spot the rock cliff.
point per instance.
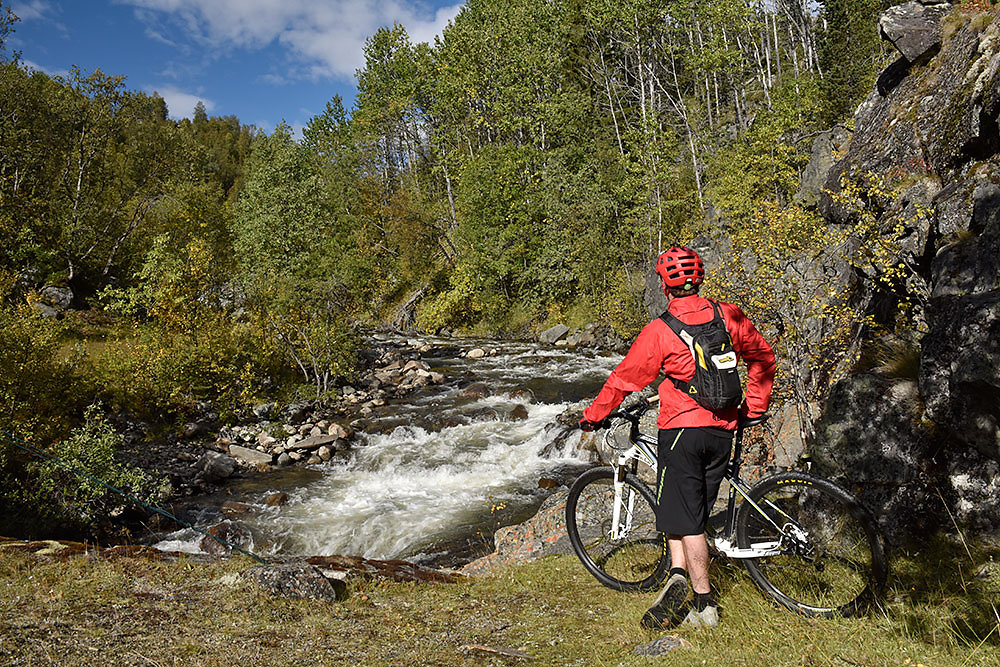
(920, 441)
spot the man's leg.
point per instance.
(695, 548)
(676, 547)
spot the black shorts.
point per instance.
(692, 463)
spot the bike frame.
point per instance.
(643, 450)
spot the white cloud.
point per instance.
(31, 10)
(64, 73)
(327, 36)
(179, 103)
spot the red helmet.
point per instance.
(680, 265)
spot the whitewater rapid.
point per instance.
(447, 468)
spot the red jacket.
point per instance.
(658, 349)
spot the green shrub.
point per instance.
(67, 490)
(155, 373)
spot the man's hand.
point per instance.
(588, 426)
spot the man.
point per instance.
(694, 442)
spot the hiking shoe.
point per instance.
(706, 618)
(668, 609)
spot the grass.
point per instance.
(139, 611)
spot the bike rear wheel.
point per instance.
(832, 560)
(638, 559)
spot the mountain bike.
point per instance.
(805, 541)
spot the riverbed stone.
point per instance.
(414, 365)
(227, 531)
(285, 459)
(339, 431)
(476, 353)
(250, 456)
(325, 452)
(276, 499)
(315, 442)
(234, 509)
(215, 466)
(475, 390)
(266, 439)
(553, 334)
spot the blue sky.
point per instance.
(261, 60)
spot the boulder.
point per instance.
(44, 310)
(249, 456)
(476, 353)
(824, 149)
(914, 28)
(519, 413)
(340, 432)
(541, 535)
(553, 334)
(215, 466)
(59, 298)
(298, 581)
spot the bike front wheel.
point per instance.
(633, 558)
(830, 559)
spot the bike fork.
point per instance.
(619, 529)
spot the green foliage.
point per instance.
(285, 235)
(850, 52)
(62, 494)
(160, 374)
(764, 166)
(40, 383)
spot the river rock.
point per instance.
(415, 365)
(315, 442)
(476, 353)
(313, 460)
(519, 412)
(541, 535)
(234, 510)
(226, 531)
(340, 432)
(265, 439)
(325, 453)
(264, 410)
(276, 499)
(475, 390)
(215, 466)
(285, 459)
(249, 456)
(553, 334)
(298, 581)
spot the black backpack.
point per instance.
(716, 383)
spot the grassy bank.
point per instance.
(138, 611)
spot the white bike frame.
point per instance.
(643, 450)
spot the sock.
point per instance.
(677, 570)
(702, 600)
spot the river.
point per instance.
(438, 471)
